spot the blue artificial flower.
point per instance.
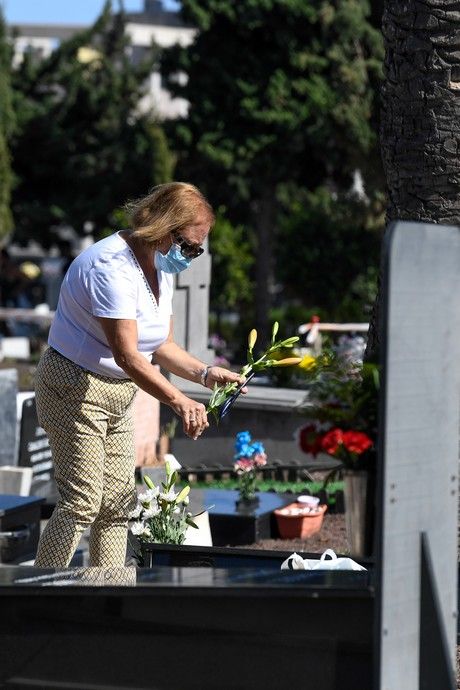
(257, 447)
(242, 450)
(243, 437)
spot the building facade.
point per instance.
(153, 25)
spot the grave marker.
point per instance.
(191, 307)
(418, 501)
(34, 449)
(8, 392)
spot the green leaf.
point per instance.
(190, 522)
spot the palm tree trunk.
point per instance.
(421, 111)
(420, 123)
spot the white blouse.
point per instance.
(106, 280)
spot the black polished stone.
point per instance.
(175, 628)
(235, 524)
(331, 583)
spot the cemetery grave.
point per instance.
(391, 626)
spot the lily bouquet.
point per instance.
(161, 515)
(254, 365)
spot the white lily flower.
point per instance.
(169, 496)
(173, 463)
(149, 495)
(135, 513)
(139, 529)
(151, 512)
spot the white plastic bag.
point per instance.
(296, 562)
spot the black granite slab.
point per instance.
(175, 628)
(232, 524)
(331, 583)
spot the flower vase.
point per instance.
(355, 494)
(247, 490)
(248, 502)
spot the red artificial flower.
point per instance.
(332, 441)
(356, 441)
(309, 439)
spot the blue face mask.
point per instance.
(173, 261)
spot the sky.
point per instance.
(63, 11)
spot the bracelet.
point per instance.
(204, 376)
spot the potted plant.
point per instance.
(161, 515)
(342, 409)
(299, 521)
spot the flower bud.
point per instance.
(183, 494)
(288, 362)
(252, 339)
(148, 482)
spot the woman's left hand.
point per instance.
(222, 376)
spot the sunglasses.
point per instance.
(189, 251)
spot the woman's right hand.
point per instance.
(193, 414)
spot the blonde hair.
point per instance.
(169, 207)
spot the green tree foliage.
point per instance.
(83, 147)
(328, 252)
(280, 92)
(6, 129)
(232, 258)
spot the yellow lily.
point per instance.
(307, 362)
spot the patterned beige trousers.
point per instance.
(88, 419)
